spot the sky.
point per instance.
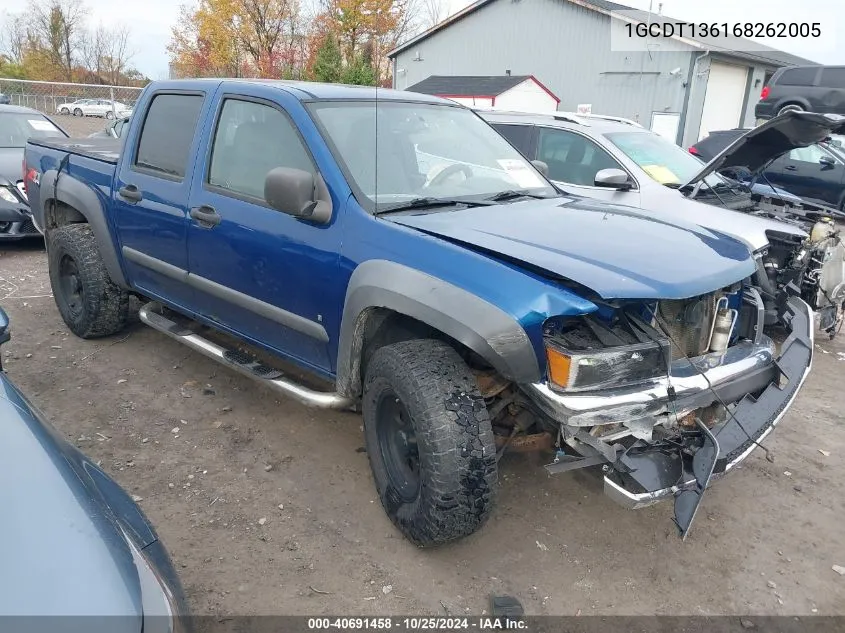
(151, 21)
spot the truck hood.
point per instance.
(757, 148)
(612, 249)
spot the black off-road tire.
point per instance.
(453, 438)
(101, 307)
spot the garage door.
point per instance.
(723, 100)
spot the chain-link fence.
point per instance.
(79, 108)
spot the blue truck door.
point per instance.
(260, 273)
(151, 194)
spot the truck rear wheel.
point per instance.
(90, 303)
(429, 441)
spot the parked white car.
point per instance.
(71, 107)
(96, 107)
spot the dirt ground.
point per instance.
(268, 507)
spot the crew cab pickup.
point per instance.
(388, 251)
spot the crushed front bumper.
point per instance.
(643, 473)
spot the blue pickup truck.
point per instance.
(364, 248)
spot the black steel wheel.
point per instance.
(429, 441)
(70, 285)
(90, 303)
(398, 445)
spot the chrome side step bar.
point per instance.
(150, 314)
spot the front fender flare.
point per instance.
(84, 200)
(486, 329)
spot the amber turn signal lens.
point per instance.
(559, 366)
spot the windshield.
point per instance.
(662, 160)
(16, 127)
(397, 151)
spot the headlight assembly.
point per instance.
(8, 195)
(595, 355)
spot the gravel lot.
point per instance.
(268, 507)
(79, 126)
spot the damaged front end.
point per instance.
(668, 395)
(815, 265)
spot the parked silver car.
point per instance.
(95, 107)
(630, 165)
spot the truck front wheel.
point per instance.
(429, 441)
(90, 303)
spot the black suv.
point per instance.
(810, 88)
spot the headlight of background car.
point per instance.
(579, 361)
(8, 195)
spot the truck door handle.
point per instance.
(206, 216)
(791, 168)
(130, 193)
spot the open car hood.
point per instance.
(615, 251)
(754, 150)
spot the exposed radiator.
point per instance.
(688, 322)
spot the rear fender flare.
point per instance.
(85, 201)
(484, 328)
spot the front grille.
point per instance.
(28, 228)
(688, 323)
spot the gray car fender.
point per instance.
(483, 327)
(81, 197)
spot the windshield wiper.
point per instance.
(511, 194)
(430, 202)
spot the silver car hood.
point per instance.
(757, 148)
(663, 202)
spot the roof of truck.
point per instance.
(308, 90)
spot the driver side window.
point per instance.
(572, 158)
(252, 139)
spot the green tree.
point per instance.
(328, 63)
(10, 69)
(360, 72)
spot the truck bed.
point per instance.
(102, 149)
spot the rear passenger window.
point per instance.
(798, 76)
(518, 135)
(251, 139)
(168, 133)
(833, 77)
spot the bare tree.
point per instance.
(262, 24)
(432, 12)
(13, 37)
(60, 25)
(92, 49)
(116, 53)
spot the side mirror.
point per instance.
(827, 162)
(542, 167)
(613, 179)
(298, 193)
